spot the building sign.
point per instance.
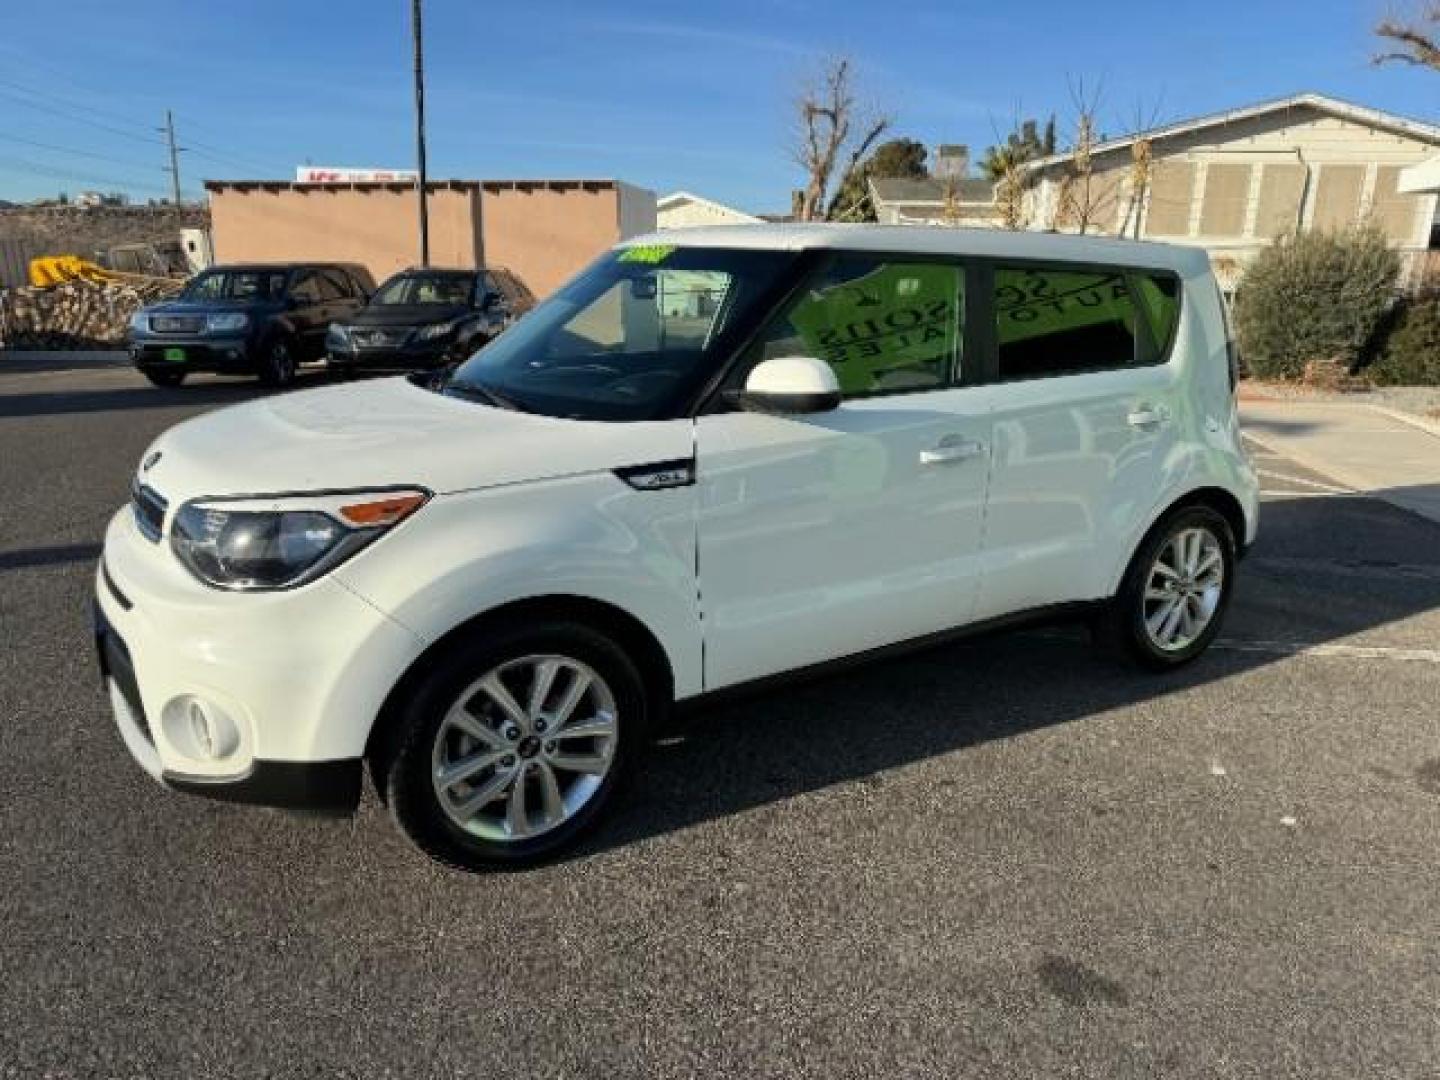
(320, 174)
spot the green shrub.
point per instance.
(1314, 296)
(1411, 355)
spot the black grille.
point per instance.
(177, 324)
(149, 506)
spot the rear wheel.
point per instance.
(513, 744)
(277, 364)
(1175, 592)
(161, 377)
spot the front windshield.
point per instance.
(236, 285)
(449, 290)
(630, 339)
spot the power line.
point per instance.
(67, 150)
(43, 107)
(51, 172)
(51, 98)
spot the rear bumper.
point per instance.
(329, 788)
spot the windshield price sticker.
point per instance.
(647, 254)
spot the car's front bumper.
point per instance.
(296, 678)
(425, 354)
(216, 354)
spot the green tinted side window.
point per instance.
(1159, 298)
(883, 326)
(1063, 321)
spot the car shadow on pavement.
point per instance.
(1304, 584)
(127, 398)
(52, 555)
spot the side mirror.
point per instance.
(791, 385)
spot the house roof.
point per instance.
(680, 198)
(921, 239)
(930, 190)
(409, 185)
(1360, 114)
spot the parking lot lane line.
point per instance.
(1331, 488)
(1345, 652)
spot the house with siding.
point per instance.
(1233, 181)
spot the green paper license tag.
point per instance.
(647, 254)
(175, 355)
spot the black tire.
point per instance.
(403, 767)
(1121, 627)
(162, 377)
(277, 362)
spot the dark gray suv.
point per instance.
(255, 319)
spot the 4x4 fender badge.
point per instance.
(659, 475)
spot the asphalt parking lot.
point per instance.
(1001, 858)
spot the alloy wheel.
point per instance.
(1184, 588)
(524, 748)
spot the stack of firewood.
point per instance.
(76, 315)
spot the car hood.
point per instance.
(390, 432)
(408, 314)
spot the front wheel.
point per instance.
(277, 363)
(1175, 592)
(513, 744)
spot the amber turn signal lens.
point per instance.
(385, 511)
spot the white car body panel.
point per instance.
(826, 535)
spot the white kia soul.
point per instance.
(715, 456)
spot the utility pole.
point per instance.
(420, 131)
(169, 130)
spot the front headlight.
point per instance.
(138, 321)
(337, 336)
(227, 322)
(430, 333)
(257, 544)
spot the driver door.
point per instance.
(828, 534)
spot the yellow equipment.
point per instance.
(51, 270)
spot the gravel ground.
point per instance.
(1005, 858)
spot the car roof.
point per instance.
(439, 271)
(936, 240)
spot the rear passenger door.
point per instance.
(1084, 425)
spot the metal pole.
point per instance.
(174, 157)
(420, 132)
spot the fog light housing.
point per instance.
(200, 729)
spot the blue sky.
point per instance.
(663, 95)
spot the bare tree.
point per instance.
(1083, 201)
(1415, 42)
(832, 127)
(1141, 167)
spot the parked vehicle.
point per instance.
(715, 457)
(425, 318)
(260, 319)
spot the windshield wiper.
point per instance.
(472, 391)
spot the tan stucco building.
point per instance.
(1233, 181)
(541, 230)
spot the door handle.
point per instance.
(949, 450)
(1144, 416)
